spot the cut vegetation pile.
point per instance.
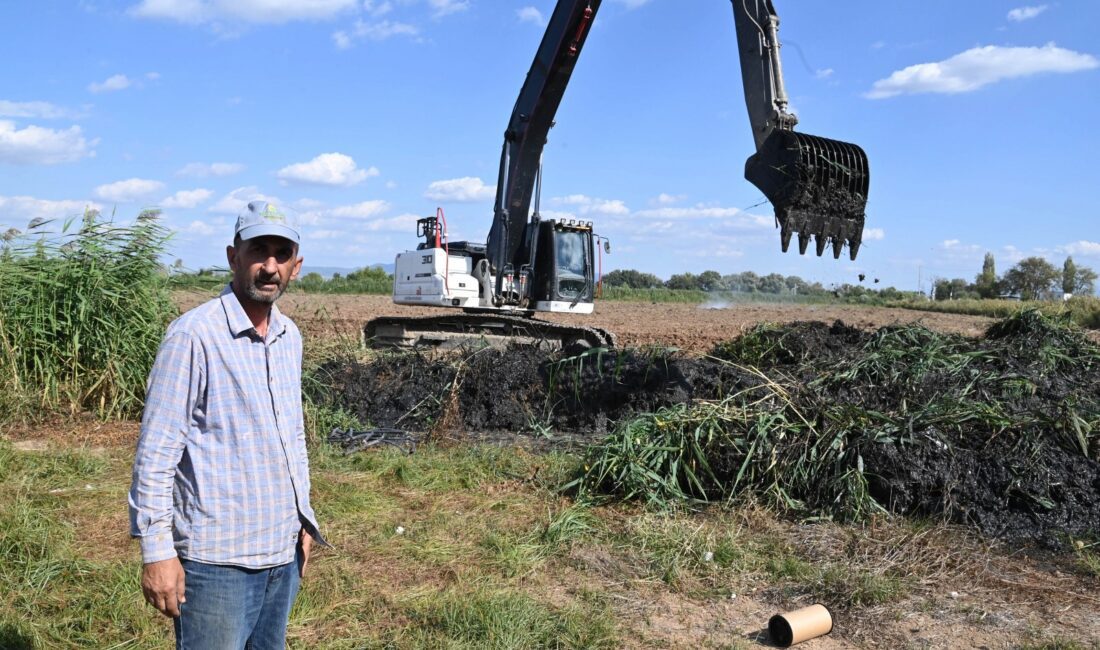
(1002, 433)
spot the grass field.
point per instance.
(474, 547)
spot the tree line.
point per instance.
(1032, 278)
(745, 282)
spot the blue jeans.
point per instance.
(230, 607)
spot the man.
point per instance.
(220, 492)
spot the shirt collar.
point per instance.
(238, 320)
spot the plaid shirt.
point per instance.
(221, 474)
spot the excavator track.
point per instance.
(496, 330)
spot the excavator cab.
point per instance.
(817, 186)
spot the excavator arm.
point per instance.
(817, 186)
(530, 123)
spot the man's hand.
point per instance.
(305, 543)
(163, 585)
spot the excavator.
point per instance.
(817, 186)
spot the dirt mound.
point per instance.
(1001, 432)
(526, 391)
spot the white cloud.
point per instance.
(405, 223)
(1083, 247)
(131, 189)
(980, 67)
(667, 199)
(19, 210)
(633, 4)
(530, 15)
(36, 145)
(1021, 14)
(874, 234)
(824, 73)
(373, 31)
(734, 217)
(187, 198)
(332, 169)
(116, 82)
(950, 243)
(363, 210)
(234, 202)
(195, 12)
(588, 205)
(152, 76)
(377, 8)
(308, 204)
(202, 170)
(33, 110)
(325, 234)
(199, 228)
(463, 190)
(442, 8)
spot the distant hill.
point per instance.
(328, 271)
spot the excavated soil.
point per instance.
(1028, 471)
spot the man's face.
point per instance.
(263, 266)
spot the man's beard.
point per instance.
(256, 294)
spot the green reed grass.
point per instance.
(83, 308)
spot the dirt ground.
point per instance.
(692, 328)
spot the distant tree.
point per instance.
(1069, 276)
(986, 282)
(312, 278)
(746, 282)
(711, 281)
(890, 293)
(954, 289)
(1085, 282)
(772, 283)
(632, 279)
(1033, 278)
(683, 281)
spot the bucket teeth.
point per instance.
(803, 242)
(817, 186)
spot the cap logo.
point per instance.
(271, 213)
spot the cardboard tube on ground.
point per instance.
(800, 625)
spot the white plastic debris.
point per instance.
(400, 530)
(708, 557)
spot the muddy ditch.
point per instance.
(1001, 432)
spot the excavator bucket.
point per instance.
(817, 186)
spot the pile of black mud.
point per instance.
(525, 391)
(1002, 432)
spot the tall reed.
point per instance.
(82, 312)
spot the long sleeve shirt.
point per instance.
(221, 474)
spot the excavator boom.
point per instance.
(817, 186)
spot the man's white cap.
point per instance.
(262, 218)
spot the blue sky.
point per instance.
(978, 119)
